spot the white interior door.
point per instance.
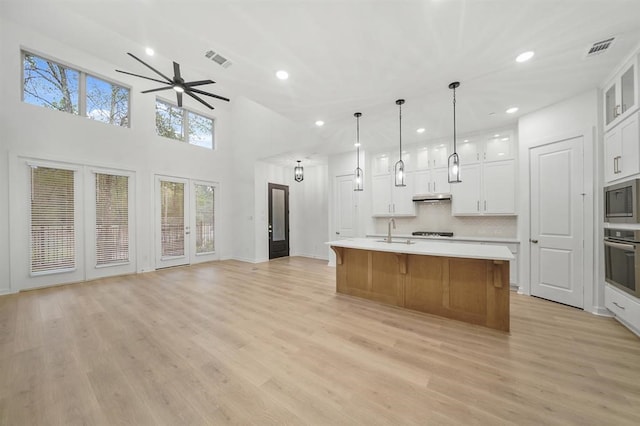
(172, 222)
(557, 221)
(345, 211)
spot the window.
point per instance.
(172, 218)
(205, 229)
(112, 219)
(52, 220)
(107, 102)
(181, 124)
(55, 86)
(50, 85)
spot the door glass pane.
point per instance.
(610, 103)
(172, 218)
(277, 199)
(627, 89)
(52, 220)
(205, 229)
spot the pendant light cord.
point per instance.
(358, 140)
(454, 120)
(400, 105)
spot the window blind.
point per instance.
(112, 219)
(205, 219)
(172, 218)
(52, 220)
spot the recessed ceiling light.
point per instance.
(319, 123)
(282, 75)
(525, 56)
(466, 140)
(421, 130)
(149, 51)
(512, 110)
(358, 144)
(496, 135)
(504, 139)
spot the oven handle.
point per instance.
(627, 247)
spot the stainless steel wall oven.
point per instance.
(622, 260)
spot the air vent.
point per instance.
(599, 47)
(217, 58)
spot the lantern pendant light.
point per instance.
(454, 159)
(298, 172)
(358, 184)
(399, 167)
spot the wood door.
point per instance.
(345, 210)
(556, 221)
(278, 220)
(172, 222)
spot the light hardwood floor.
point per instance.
(231, 342)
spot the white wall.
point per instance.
(259, 133)
(37, 132)
(577, 116)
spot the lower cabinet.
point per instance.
(624, 306)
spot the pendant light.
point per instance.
(399, 167)
(454, 159)
(358, 184)
(298, 172)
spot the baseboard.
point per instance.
(6, 291)
(602, 311)
(311, 256)
(244, 259)
(629, 326)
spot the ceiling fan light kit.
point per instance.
(176, 83)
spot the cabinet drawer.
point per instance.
(626, 307)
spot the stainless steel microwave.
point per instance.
(622, 202)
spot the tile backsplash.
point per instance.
(437, 217)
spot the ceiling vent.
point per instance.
(218, 58)
(599, 47)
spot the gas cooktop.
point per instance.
(432, 234)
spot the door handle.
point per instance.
(534, 241)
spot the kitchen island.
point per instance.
(467, 282)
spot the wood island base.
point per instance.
(471, 290)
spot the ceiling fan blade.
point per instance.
(179, 96)
(198, 83)
(189, 89)
(150, 67)
(157, 90)
(142, 76)
(188, 92)
(176, 71)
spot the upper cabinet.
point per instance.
(494, 147)
(621, 95)
(621, 150)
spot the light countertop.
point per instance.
(429, 248)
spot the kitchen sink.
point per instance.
(396, 242)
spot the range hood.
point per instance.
(432, 198)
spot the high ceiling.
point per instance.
(360, 55)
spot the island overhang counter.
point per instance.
(467, 282)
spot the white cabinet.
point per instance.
(624, 306)
(391, 200)
(486, 189)
(621, 95)
(495, 147)
(438, 155)
(621, 150)
(432, 181)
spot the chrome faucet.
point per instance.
(391, 220)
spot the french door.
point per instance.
(185, 221)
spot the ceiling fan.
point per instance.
(177, 83)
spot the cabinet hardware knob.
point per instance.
(534, 241)
(337, 233)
